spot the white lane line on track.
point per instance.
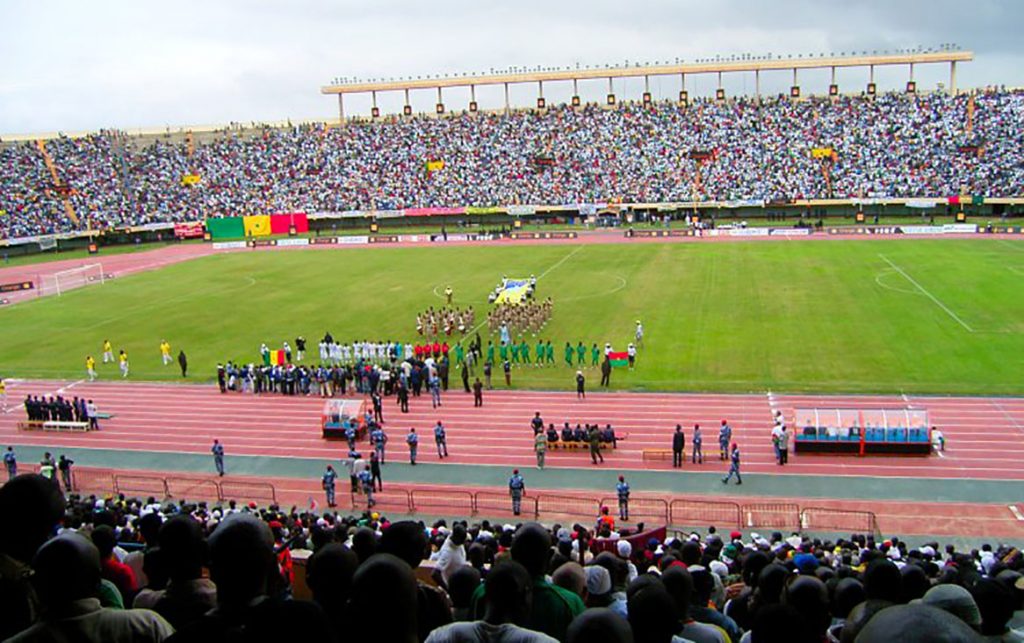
(928, 294)
(1016, 512)
(1009, 417)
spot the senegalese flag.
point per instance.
(277, 357)
(620, 358)
(257, 225)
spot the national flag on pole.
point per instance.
(278, 357)
(620, 358)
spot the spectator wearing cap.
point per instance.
(570, 576)
(956, 600)
(625, 551)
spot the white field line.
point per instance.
(1009, 417)
(928, 294)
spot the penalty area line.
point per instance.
(927, 294)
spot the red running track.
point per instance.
(985, 436)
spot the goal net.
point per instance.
(64, 280)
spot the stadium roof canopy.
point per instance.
(716, 66)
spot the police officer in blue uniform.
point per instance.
(516, 488)
(622, 490)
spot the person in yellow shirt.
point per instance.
(108, 351)
(123, 359)
(90, 367)
(3, 395)
(165, 352)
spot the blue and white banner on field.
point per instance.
(513, 291)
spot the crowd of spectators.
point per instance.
(895, 145)
(124, 569)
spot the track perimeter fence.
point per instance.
(678, 513)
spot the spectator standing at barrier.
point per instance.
(580, 383)
(478, 393)
(183, 363)
(11, 462)
(366, 480)
(90, 367)
(328, 483)
(64, 466)
(379, 439)
(724, 438)
(516, 488)
(413, 441)
(734, 465)
(622, 491)
(594, 438)
(698, 441)
(678, 446)
(540, 448)
(606, 372)
(441, 440)
(218, 457)
(378, 482)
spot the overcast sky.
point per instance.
(70, 65)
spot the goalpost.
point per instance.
(59, 282)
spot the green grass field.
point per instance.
(923, 316)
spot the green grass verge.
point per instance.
(940, 316)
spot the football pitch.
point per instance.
(857, 316)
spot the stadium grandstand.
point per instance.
(740, 151)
